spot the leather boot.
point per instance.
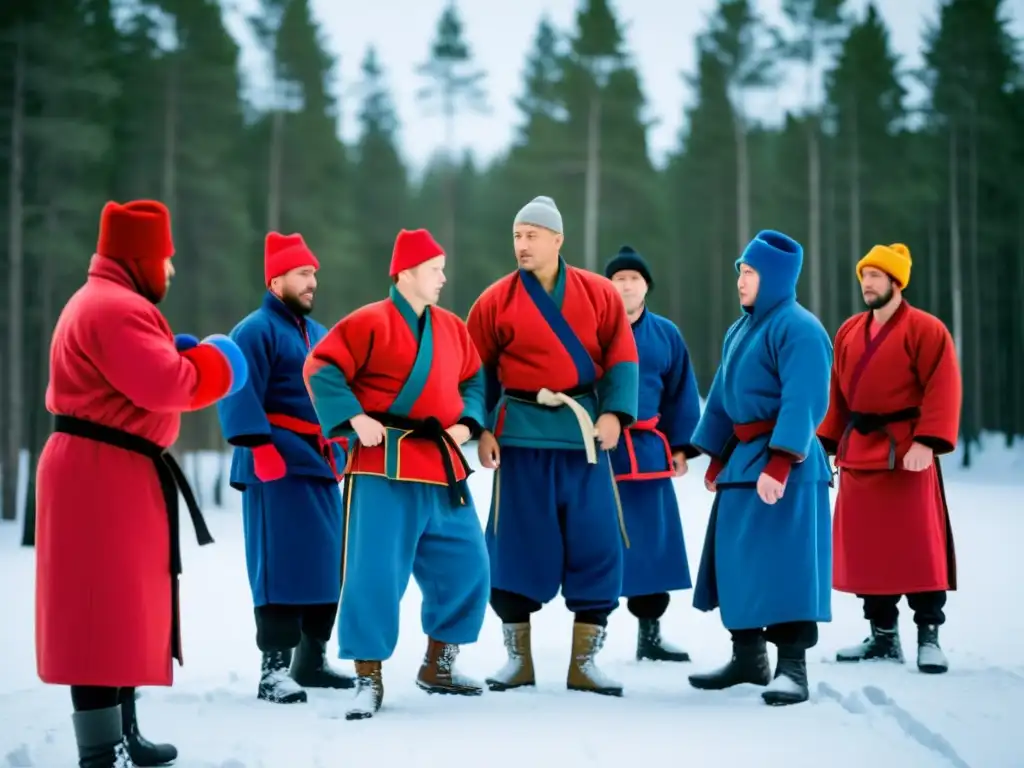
(100, 738)
(518, 670)
(651, 647)
(276, 685)
(369, 691)
(439, 675)
(880, 645)
(144, 753)
(310, 667)
(749, 664)
(930, 658)
(584, 674)
(790, 683)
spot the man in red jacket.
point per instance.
(107, 550)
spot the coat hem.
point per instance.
(935, 587)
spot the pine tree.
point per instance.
(454, 85)
(381, 205)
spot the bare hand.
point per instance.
(711, 485)
(769, 489)
(679, 465)
(609, 430)
(488, 451)
(370, 431)
(918, 458)
(459, 433)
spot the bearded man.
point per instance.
(288, 474)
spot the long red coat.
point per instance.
(103, 572)
(891, 531)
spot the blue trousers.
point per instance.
(396, 529)
(556, 522)
(656, 559)
(292, 529)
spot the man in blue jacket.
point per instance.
(767, 562)
(288, 475)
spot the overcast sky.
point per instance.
(660, 37)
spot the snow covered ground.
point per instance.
(866, 715)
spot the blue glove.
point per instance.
(232, 353)
(185, 341)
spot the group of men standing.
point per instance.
(584, 405)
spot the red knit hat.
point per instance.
(412, 248)
(136, 231)
(283, 253)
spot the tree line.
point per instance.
(109, 99)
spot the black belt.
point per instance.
(431, 429)
(871, 423)
(530, 395)
(172, 480)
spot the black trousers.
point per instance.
(798, 635)
(882, 610)
(648, 606)
(87, 698)
(280, 627)
(513, 608)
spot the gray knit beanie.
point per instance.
(540, 212)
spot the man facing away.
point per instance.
(108, 556)
(288, 475)
(403, 376)
(895, 407)
(562, 369)
(767, 551)
(650, 454)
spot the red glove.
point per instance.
(715, 468)
(268, 463)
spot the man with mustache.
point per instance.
(894, 409)
(402, 376)
(562, 372)
(288, 474)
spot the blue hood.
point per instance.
(778, 259)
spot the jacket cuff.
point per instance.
(249, 441)
(475, 428)
(778, 467)
(714, 469)
(689, 451)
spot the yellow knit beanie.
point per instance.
(893, 259)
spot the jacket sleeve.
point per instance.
(134, 351)
(480, 324)
(715, 427)
(680, 401)
(939, 372)
(329, 370)
(804, 358)
(618, 389)
(472, 384)
(243, 418)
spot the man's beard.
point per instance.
(295, 305)
(880, 301)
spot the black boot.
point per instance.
(311, 670)
(880, 645)
(276, 685)
(790, 683)
(749, 664)
(651, 647)
(144, 753)
(930, 658)
(100, 739)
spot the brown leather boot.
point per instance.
(518, 670)
(439, 675)
(369, 691)
(584, 674)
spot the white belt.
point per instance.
(555, 399)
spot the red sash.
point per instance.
(308, 428)
(647, 425)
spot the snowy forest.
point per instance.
(101, 99)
